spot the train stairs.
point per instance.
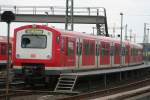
(66, 83)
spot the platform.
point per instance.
(106, 71)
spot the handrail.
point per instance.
(52, 10)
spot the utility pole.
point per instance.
(134, 38)
(114, 30)
(130, 35)
(145, 42)
(121, 44)
(69, 15)
(147, 46)
(144, 38)
(126, 30)
(147, 36)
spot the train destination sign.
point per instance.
(34, 31)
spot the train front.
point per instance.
(32, 51)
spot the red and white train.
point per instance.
(44, 51)
(3, 50)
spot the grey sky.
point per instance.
(136, 12)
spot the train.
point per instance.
(4, 56)
(43, 53)
(3, 50)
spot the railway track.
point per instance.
(18, 93)
(75, 95)
(110, 91)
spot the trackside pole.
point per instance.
(7, 17)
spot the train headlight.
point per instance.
(17, 55)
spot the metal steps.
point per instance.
(66, 83)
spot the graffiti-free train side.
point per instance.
(42, 52)
(4, 51)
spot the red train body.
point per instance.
(3, 50)
(45, 51)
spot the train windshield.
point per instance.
(34, 41)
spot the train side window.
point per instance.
(91, 49)
(3, 49)
(117, 51)
(86, 48)
(62, 44)
(70, 48)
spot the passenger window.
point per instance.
(3, 49)
(62, 44)
(70, 48)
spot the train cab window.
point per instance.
(34, 41)
(70, 48)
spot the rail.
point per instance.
(52, 10)
(110, 91)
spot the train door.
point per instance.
(105, 58)
(123, 54)
(112, 54)
(3, 51)
(102, 54)
(78, 53)
(117, 54)
(70, 51)
(97, 54)
(127, 55)
(62, 54)
(108, 54)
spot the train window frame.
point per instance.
(34, 47)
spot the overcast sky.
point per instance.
(136, 13)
